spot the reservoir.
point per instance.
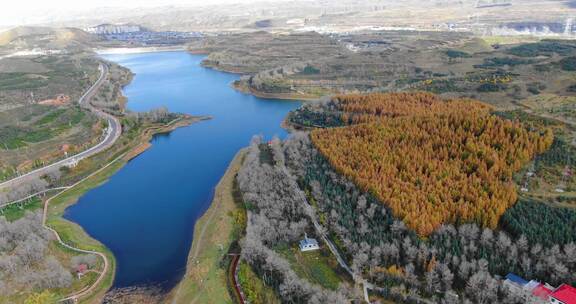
(146, 212)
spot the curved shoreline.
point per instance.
(138, 50)
(70, 234)
(192, 285)
(279, 96)
(86, 290)
(247, 90)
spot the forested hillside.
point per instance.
(431, 161)
(455, 259)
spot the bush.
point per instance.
(535, 87)
(568, 64)
(309, 70)
(457, 54)
(499, 62)
(490, 87)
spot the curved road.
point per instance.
(112, 133)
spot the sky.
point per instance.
(19, 12)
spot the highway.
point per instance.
(112, 133)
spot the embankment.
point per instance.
(214, 232)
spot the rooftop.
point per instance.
(516, 279)
(309, 242)
(541, 292)
(565, 293)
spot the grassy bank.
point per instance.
(214, 233)
(115, 157)
(73, 234)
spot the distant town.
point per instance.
(136, 34)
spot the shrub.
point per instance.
(568, 64)
(499, 62)
(543, 48)
(457, 54)
(490, 87)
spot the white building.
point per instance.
(308, 244)
(107, 29)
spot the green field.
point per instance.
(21, 81)
(16, 211)
(318, 267)
(37, 128)
(34, 135)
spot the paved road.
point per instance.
(112, 133)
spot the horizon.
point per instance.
(34, 12)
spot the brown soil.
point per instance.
(57, 101)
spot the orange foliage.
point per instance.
(395, 271)
(431, 264)
(431, 161)
(361, 108)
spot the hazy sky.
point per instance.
(15, 12)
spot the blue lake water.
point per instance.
(146, 212)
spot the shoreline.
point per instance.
(72, 233)
(279, 96)
(236, 85)
(213, 236)
(138, 50)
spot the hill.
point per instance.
(46, 37)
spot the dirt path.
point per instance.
(237, 287)
(75, 296)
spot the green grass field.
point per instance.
(16, 211)
(315, 266)
(21, 81)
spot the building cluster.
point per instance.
(108, 29)
(153, 37)
(534, 292)
(136, 34)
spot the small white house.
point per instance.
(308, 244)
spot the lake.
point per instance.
(146, 212)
